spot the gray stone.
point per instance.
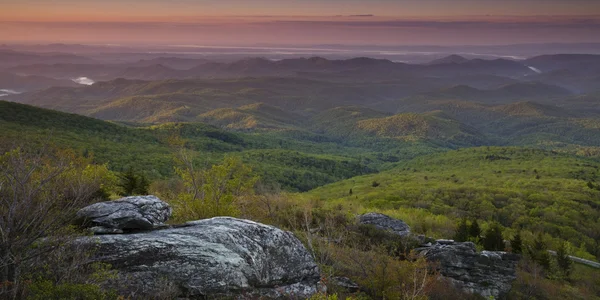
(488, 273)
(104, 230)
(129, 213)
(218, 257)
(346, 283)
(384, 222)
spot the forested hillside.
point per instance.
(522, 189)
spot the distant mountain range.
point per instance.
(452, 100)
(578, 73)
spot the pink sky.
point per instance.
(247, 22)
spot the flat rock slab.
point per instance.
(129, 213)
(384, 222)
(212, 258)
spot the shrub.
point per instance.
(214, 191)
(45, 187)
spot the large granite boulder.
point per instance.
(384, 222)
(488, 273)
(207, 259)
(125, 214)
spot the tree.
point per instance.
(562, 259)
(492, 239)
(462, 232)
(39, 192)
(131, 183)
(474, 230)
(213, 191)
(516, 244)
(538, 252)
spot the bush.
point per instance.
(46, 187)
(214, 191)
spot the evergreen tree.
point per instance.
(132, 184)
(562, 259)
(539, 252)
(492, 239)
(516, 244)
(462, 232)
(474, 229)
(127, 182)
(142, 185)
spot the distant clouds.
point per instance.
(349, 29)
(567, 22)
(161, 10)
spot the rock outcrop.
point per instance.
(125, 214)
(384, 222)
(488, 273)
(212, 258)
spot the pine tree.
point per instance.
(562, 259)
(539, 252)
(462, 232)
(492, 239)
(128, 182)
(142, 185)
(475, 230)
(516, 244)
(133, 184)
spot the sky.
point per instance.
(300, 22)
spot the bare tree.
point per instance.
(39, 192)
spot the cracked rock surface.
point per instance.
(129, 213)
(207, 259)
(487, 273)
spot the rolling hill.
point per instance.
(203, 95)
(30, 83)
(282, 159)
(257, 116)
(434, 126)
(523, 189)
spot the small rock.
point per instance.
(445, 242)
(345, 283)
(104, 230)
(129, 213)
(384, 222)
